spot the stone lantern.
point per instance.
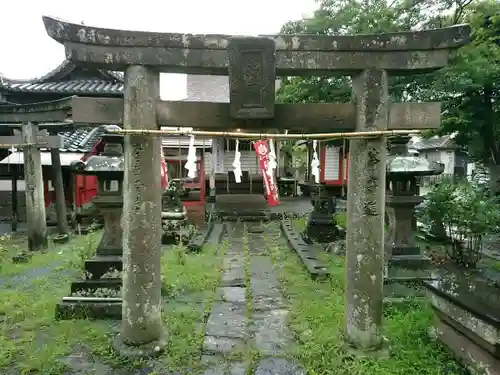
(98, 295)
(108, 168)
(403, 257)
(174, 214)
(321, 223)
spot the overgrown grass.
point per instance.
(32, 342)
(341, 217)
(56, 256)
(317, 319)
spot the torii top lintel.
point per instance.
(293, 54)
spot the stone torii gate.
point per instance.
(31, 139)
(252, 65)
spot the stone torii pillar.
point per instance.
(142, 332)
(365, 212)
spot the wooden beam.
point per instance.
(297, 118)
(57, 179)
(35, 204)
(42, 140)
(15, 216)
(51, 111)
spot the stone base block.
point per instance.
(402, 250)
(401, 283)
(399, 289)
(80, 309)
(100, 265)
(414, 262)
(306, 252)
(477, 360)
(151, 349)
(21, 258)
(90, 286)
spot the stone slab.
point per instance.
(233, 277)
(227, 320)
(223, 345)
(231, 294)
(279, 366)
(471, 294)
(217, 365)
(475, 358)
(474, 324)
(271, 335)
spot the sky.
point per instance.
(27, 51)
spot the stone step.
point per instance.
(410, 261)
(403, 251)
(92, 285)
(396, 272)
(84, 309)
(99, 265)
(403, 287)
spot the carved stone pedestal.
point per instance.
(406, 265)
(98, 294)
(321, 223)
(467, 320)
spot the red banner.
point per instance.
(164, 175)
(262, 151)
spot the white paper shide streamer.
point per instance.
(315, 163)
(272, 164)
(237, 163)
(218, 155)
(191, 159)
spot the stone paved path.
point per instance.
(249, 314)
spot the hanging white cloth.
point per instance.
(191, 158)
(237, 163)
(272, 165)
(315, 163)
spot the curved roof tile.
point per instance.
(111, 82)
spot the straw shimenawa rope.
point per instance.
(242, 135)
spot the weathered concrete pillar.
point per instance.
(15, 216)
(35, 204)
(142, 332)
(62, 217)
(365, 214)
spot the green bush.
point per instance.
(463, 212)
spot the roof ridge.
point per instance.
(65, 65)
(65, 68)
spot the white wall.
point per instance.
(6, 185)
(203, 88)
(332, 163)
(443, 156)
(248, 161)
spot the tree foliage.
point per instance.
(468, 87)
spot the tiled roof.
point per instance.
(82, 139)
(107, 82)
(77, 87)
